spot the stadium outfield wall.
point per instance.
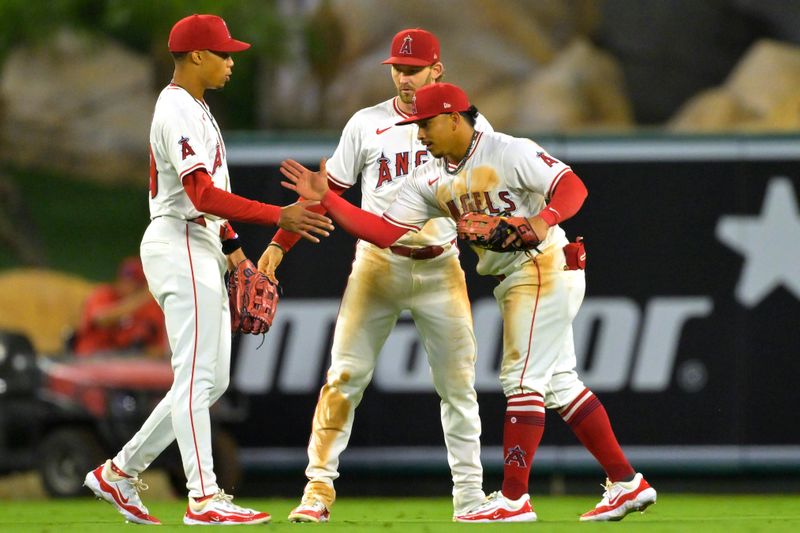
(687, 332)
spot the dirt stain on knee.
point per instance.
(330, 418)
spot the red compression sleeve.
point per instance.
(566, 200)
(360, 223)
(286, 239)
(209, 199)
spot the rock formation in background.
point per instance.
(539, 52)
(81, 105)
(762, 93)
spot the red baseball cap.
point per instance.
(203, 32)
(414, 47)
(131, 268)
(435, 99)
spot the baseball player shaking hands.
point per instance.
(539, 293)
(420, 272)
(185, 252)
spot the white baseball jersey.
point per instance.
(184, 137)
(381, 286)
(500, 174)
(185, 267)
(385, 155)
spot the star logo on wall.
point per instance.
(770, 243)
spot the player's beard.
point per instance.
(409, 98)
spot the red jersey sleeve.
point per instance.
(361, 224)
(209, 199)
(566, 199)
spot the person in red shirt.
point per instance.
(122, 317)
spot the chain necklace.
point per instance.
(463, 161)
(207, 112)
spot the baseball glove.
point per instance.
(253, 299)
(490, 232)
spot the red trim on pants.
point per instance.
(194, 359)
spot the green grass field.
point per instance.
(686, 512)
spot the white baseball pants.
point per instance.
(380, 286)
(184, 265)
(538, 303)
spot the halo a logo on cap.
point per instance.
(406, 48)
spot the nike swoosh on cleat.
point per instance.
(115, 493)
(378, 131)
(431, 182)
(122, 498)
(613, 501)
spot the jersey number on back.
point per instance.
(153, 174)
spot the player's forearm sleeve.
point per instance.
(360, 223)
(566, 200)
(209, 199)
(286, 239)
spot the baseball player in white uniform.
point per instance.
(184, 253)
(539, 291)
(420, 273)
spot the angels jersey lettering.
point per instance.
(502, 174)
(384, 155)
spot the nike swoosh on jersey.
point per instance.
(431, 182)
(378, 131)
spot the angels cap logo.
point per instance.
(406, 48)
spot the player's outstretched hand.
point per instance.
(300, 220)
(311, 185)
(269, 261)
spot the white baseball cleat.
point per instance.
(621, 498)
(498, 508)
(121, 492)
(221, 511)
(311, 509)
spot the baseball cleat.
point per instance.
(121, 492)
(498, 508)
(221, 511)
(621, 498)
(311, 509)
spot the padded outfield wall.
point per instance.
(688, 333)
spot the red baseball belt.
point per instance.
(422, 252)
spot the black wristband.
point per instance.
(230, 245)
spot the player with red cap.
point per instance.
(121, 316)
(185, 252)
(419, 274)
(539, 292)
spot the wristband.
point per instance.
(230, 245)
(549, 215)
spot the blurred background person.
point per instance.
(122, 317)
